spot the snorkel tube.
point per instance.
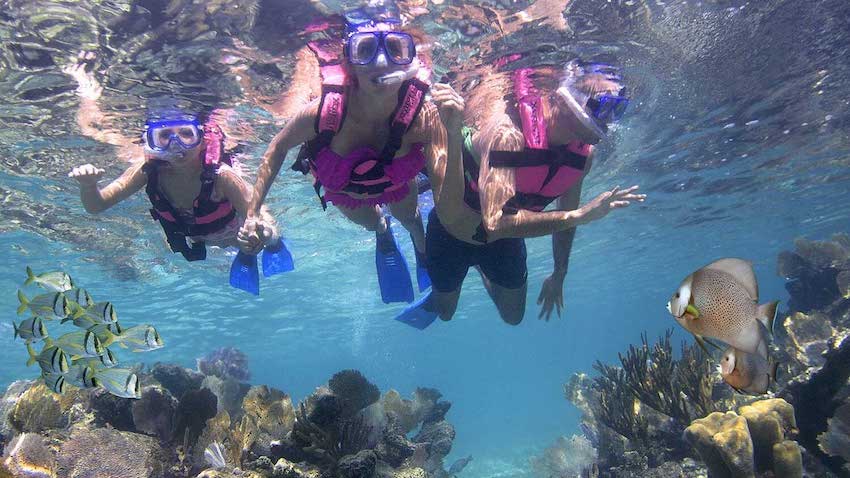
(580, 114)
(399, 76)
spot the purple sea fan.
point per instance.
(226, 362)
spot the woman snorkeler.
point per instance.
(515, 161)
(196, 195)
(366, 138)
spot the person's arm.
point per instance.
(299, 130)
(97, 200)
(235, 189)
(446, 161)
(562, 241)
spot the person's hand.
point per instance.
(450, 105)
(87, 86)
(254, 235)
(606, 202)
(551, 296)
(87, 174)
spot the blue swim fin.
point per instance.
(277, 259)
(393, 274)
(415, 314)
(244, 273)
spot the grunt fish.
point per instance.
(79, 344)
(51, 359)
(49, 306)
(31, 330)
(120, 382)
(140, 338)
(52, 281)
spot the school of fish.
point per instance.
(80, 358)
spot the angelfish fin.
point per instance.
(30, 276)
(766, 314)
(17, 333)
(742, 271)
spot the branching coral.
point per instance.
(329, 446)
(616, 403)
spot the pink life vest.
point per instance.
(364, 176)
(542, 173)
(208, 216)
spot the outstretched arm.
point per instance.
(233, 187)
(252, 235)
(96, 200)
(299, 130)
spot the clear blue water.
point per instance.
(740, 139)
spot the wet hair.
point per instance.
(492, 97)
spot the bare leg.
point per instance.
(444, 303)
(509, 302)
(407, 213)
(369, 217)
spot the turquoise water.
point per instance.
(738, 156)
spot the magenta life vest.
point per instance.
(380, 177)
(208, 216)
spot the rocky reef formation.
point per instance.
(636, 414)
(177, 428)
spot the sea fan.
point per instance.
(214, 454)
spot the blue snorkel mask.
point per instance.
(364, 44)
(596, 112)
(168, 136)
(607, 108)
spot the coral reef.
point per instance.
(723, 441)
(566, 457)
(341, 430)
(752, 440)
(226, 362)
(634, 414)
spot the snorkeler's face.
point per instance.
(378, 51)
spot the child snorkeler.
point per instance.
(196, 195)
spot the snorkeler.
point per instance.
(197, 197)
(514, 163)
(366, 138)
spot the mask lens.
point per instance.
(188, 135)
(160, 137)
(399, 47)
(362, 48)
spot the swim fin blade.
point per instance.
(393, 274)
(244, 273)
(416, 316)
(277, 259)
